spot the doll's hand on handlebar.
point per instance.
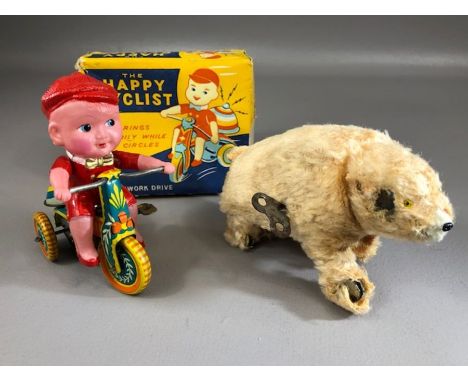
(149, 163)
(62, 194)
(168, 168)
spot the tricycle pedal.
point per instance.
(146, 209)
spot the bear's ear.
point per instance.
(363, 188)
(385, 200)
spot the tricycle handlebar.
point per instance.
(89, 186)
(103, 181)
(193, 126)
(143, 172)
(172, 116)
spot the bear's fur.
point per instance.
(343, 187)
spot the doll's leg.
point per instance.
(81, 228)
(134, 214)
(133, 208)
(342, 280)
(366, 248)
(199, 146)
(241, 234)
(175, 137)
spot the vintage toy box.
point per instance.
(190, 108)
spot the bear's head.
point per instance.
(395, 193)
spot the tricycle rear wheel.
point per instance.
(223, 157)
(45, 236)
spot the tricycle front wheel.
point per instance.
(135, 265)
(178, 161)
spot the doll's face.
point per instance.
(201, 94)
(86, 129)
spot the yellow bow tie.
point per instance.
(92, 163)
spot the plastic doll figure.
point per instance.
(202, 89)
(83, 116)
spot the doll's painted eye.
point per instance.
(193, 89)
(205, 92)
(408, 203)
(110, 122)
(85, 127)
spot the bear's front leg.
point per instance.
(366, 248)
(242, 234)
(342, 280)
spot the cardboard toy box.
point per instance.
(198, 94)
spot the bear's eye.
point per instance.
(408, 203)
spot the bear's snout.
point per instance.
(447, 226)
(444, 221)
(442, 224)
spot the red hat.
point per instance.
(203, 76)
(77, 86)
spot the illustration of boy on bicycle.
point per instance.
(201, 90)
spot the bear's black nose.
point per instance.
(447, 227)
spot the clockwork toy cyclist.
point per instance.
(83, 116)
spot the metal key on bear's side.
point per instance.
(275, 212)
